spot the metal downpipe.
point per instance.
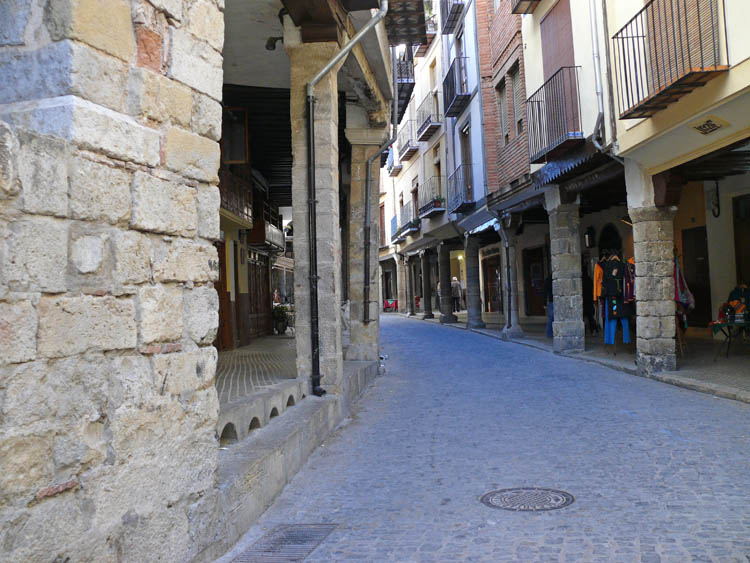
(368, 190)
(312, 229)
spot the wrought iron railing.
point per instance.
(554, 114)
(455, 87)
(236, 194)
(407, 143)
(669, 43)
(406, 214)
(394, 228)
(431, 196)
(450, 12)
(431, 24)
(393, 165)
(460, 188)
(405, 70)
(427, 113)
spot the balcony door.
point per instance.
(467, 184)
(557, 39)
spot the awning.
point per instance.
(484, 227)
(479, 217)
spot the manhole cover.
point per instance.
(287, 543)
(528, 499)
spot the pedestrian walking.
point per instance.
(456, 294)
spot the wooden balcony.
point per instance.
(266, 233)
(236, 195)
(554, 116)
(667, 50)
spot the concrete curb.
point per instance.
(671, 378)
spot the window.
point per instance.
(382, 224)
(515, 80)
(497, 4)
(502, 108)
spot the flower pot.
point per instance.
(280, 326)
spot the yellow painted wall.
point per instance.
(231, 233)
(665, 140)
(691, 211)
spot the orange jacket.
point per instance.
(598, 276)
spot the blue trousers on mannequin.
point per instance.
(610, 328)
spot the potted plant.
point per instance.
(280, 319)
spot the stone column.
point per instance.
(565, 246)
(306, 59)
(512, 328)
(401, 283)
(473, 295)
(426, 286)
(410, 287)
(653, 244)
(364, 343)
(444, 271)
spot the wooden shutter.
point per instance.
(557, 39)
(518, 97)
(502, 94)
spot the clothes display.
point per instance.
(614, 288)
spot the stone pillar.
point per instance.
(653, 244)
(426, 286)
(410, 287)
(444, 271)
(306, 59)
(473, 294)
(567, 287)
(109, 120)
(401, 283)
(364, 343)
(512, 328)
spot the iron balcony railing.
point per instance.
(460, 189)
(394, 229)
(428, 117)
(236, 194)
(408, 220)
(274, 236)
(450, 12)
(456, 88)
(407, 143)
(665, 51)
(405, 70)
(431, 197)
(554, 115)
(393, 165)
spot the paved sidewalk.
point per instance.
(658, 473)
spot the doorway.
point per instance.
(492, 292)
(697, 276)
(224, 336)
(741, 210)
(533, 276)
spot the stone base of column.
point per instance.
(569, 336)
(427, 316)
(448, 319)
(655, 363)
(511, 333)
(475, 323)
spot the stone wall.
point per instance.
(109, 120)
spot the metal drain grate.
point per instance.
(528, 499)
(290, 542)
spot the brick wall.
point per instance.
(501, 49)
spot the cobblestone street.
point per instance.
(658, 473)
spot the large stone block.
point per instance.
(185, 372)
(72, 325)
(209, 202)
(82, 20)
(652, 251)
(133, 255)
(36, 74)
(201, 314)
(192, 155)
(99, 192)
(15, 15)
(43, 171)
(18, 324)
(172, 8)
(159, 313)
(9, 150)
(86, 253)
(99, 77)
(25, 466)
(183, 260)
(653, 231)
(161, 206)
(36, 255)
(207, 22)
(206, 118)
(157, 97)
(196, 63)
(654, 289)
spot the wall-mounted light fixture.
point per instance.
(589, 237)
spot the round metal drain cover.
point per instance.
(528, 499)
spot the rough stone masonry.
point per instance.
(109, 120)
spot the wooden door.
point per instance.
(224, 336)
(533, 280)
(557, 39)
(695, 267)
